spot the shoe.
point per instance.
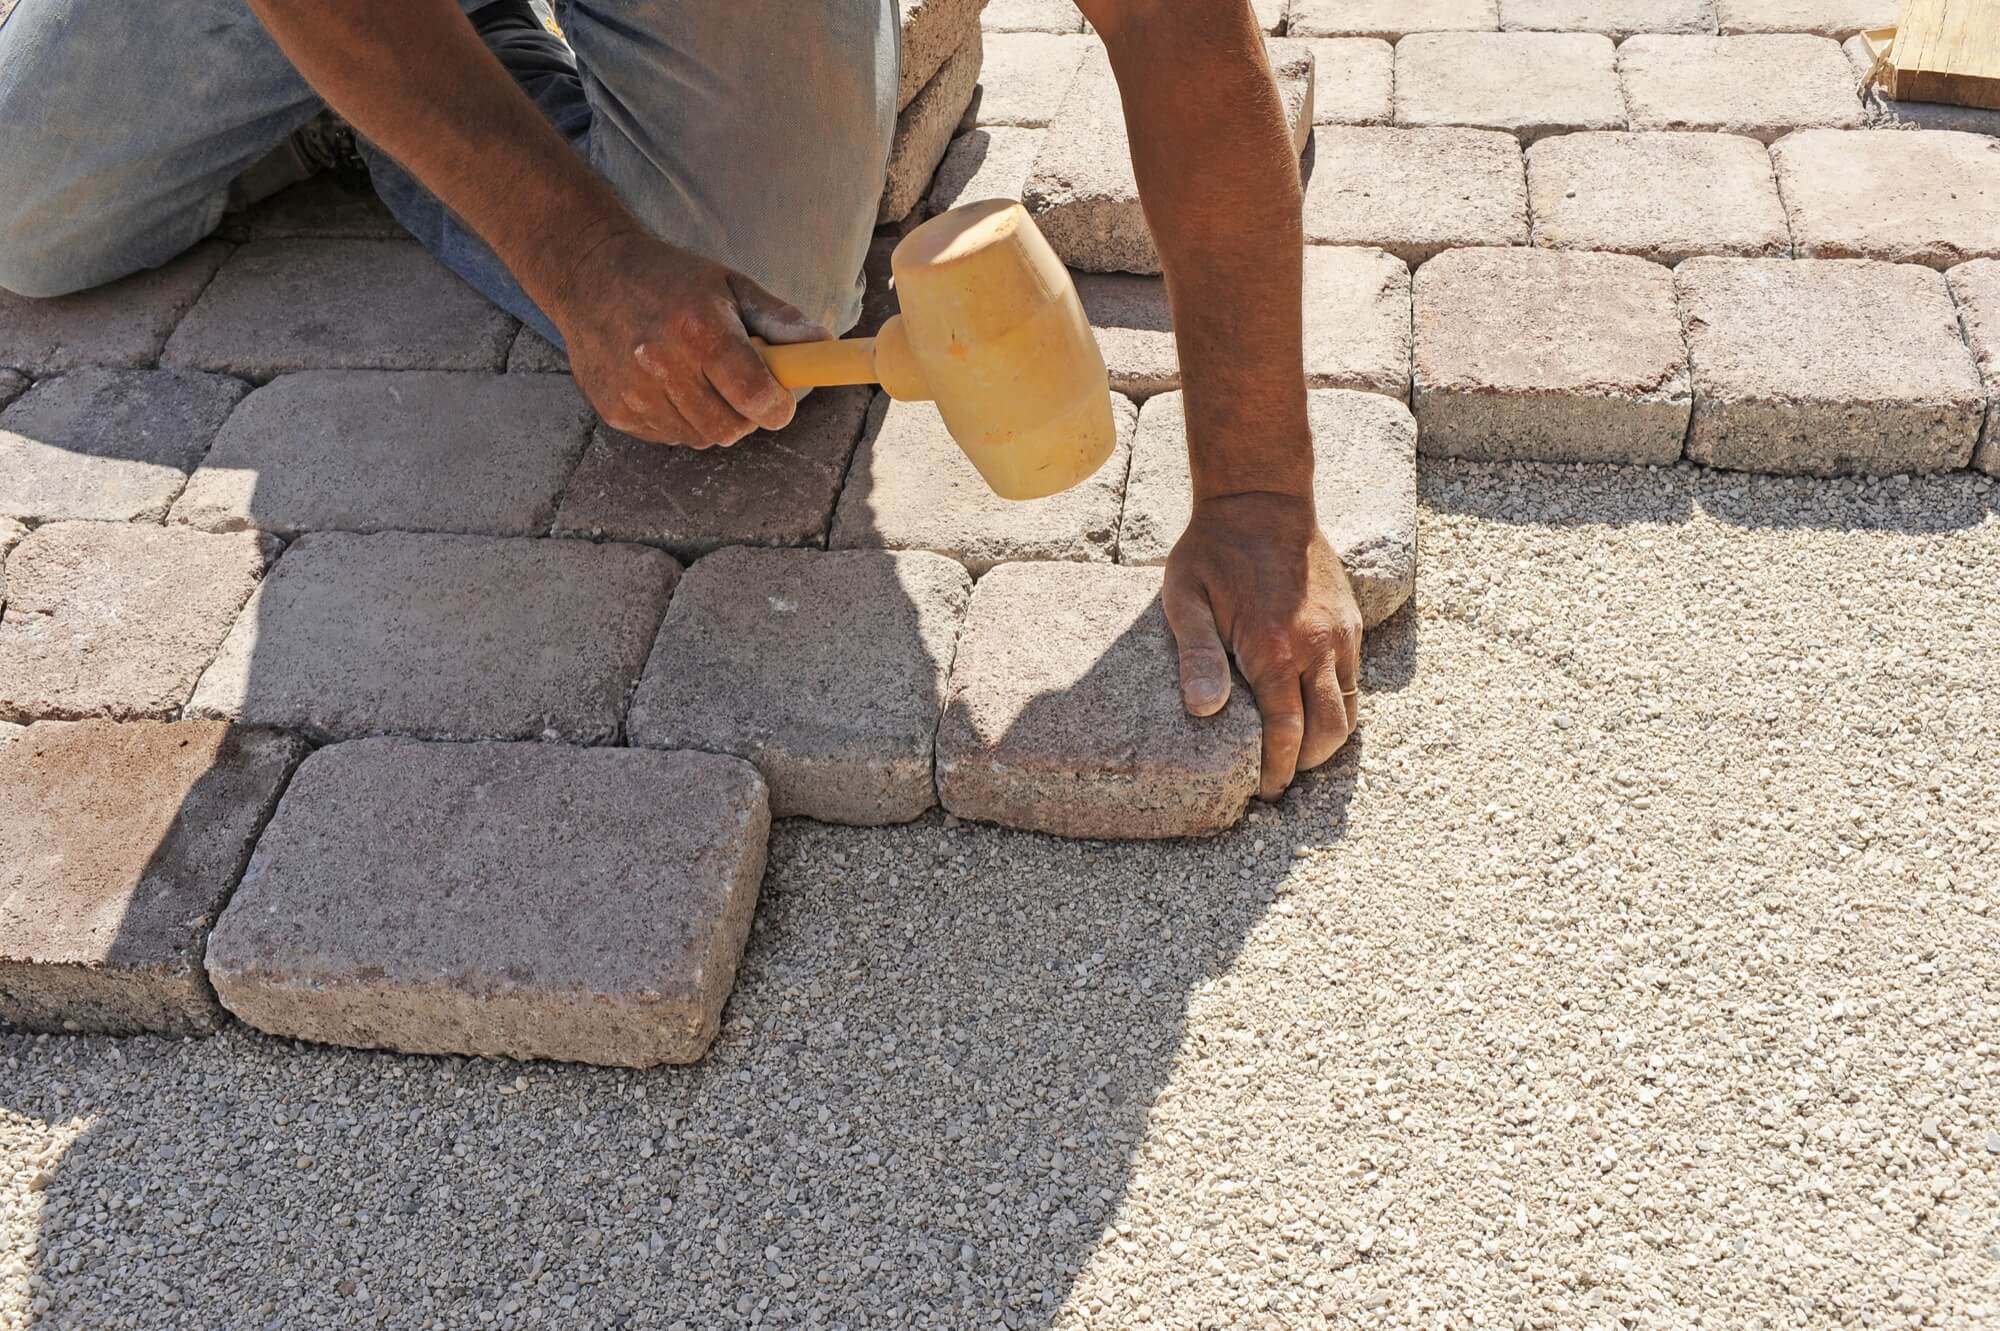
(324, 145)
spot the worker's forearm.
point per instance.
(413, 77)
(1220, 183)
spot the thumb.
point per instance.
(1204, 665)
(770, 318)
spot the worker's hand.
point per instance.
(1254, 574)
(659, 341)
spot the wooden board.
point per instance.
(1947, 51)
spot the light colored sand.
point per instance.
(1636, 968)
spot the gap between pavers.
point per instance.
(123, 324)
(445, 637)
(1549, 355)
(1389, 19)
(1415, 192)
(1530, 84)
(119, 845)
(825, 669)
(1660, 195)
(321, 208)
(377, 450)
(1364, 487)
(1617, 19)
(1064, 713)
(504, 900)
(1762, 86)
(109, 445)
(12, 384)
(1904, 196)
(924, 129)
(1975, 289)
(1826, 366)
(1826, 18)
(534, 354)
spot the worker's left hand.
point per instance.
(1253, 573)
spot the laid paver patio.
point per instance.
(1975, 289)
(1828, 18)
(1762, 86)
(825, 669)
(1663, 196)
(123, 324)
(400, 899)
(1614, 18)
(1531, 84)
(109, 445)
(1025, 76)
(1354, 80)
(113, 619)
(1415, 192)
(1389, 19)
(1907, 196)
(119, 844)
(444, 637)
(985, 164)
(379, 450)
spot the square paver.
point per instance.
(1064, 713)
(1354, 80)
(123, 324)
(1613, 18)
(924, 129)
(112, 619)
(1827, 18)
(1764, 86)
(110, 445)
(281, 305)
(768, 489)
(1912, 196)
(1549, 355)
(1026, 76)
(912, 489)
(1364, 486)
(534, 354)
(932, 32)
(1031, 16)
(1415, 192)
(985, 164)
(1082, 191)
(1975, 287)
(1662, 196)
(380, 450)
(1530, 84)
(119, 845)
(1826, 366)
(443, 637)
(758, 657)
(1390, 19)
(503, 900)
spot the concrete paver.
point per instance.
(910, 488)
(378, 450)
(1064, 713)
(1553, 355)
(1975, 289)
(768, 489)
(1531, 84)
(1354, 80)
(1390, 19)
(1827, 18)
(443, 637)
(1025, 77)
(1415, 192)
(1826, 366)
(1762, 86)
(985, 164)
(825, 669)
(123, 324)
(12, 533)
(1614, 18)
(280, 305)
(924, 129)
(1031, 16)
(112, 619)
(1660, 195)
(1906, 196)
(109, 445)
(932, 32)
(1364, 487)
(534, 354)
(401, 899)
(119, 844)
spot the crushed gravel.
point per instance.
(1636, 968)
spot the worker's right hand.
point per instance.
(659, 341)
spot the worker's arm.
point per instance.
(1220, 184)
(656, 335)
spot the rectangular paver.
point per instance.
(1549, 355)
(1354, 80)
(826, 669)
(932, 32)
(1415, 192)
(444, 637)
(985, 164)
(119, 844)
(1762, 86)
(379, 450)
(1826, 366)
(281, 305)
(122, 324)
(506, 900)
(1364, 486)
(768, 489)
(1663, 196)
(1975, 288)
(1390, 19)
(910, 488)
(1064, 713)
(1031, 16)
(1613, 18)
(1530, 84)
(112, 619)
(109, 445)
(1827, 18)
(1910, 196)
(924, 129)
(1025, 77)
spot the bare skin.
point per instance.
(659, 338)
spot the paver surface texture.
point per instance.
(1390, 19)
(924, 129)
(123, 324)
(1908, 196)
(1661, 195)
(1414, 192)
(1613, 18)
(1829, 18)
(1531, 84)
(1763, 86)
(1975, 288)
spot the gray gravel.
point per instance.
(1636, 968)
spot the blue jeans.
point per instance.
(754, 132)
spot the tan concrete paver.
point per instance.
(1827, 18)
(1390, 19)
(1907, 196)
(1762, 86)
(1415, 192)
(1531, 84)
(924, 129)
(1663, 196)
(985, 164)
(932, 32)
(1614, 18)
(123, 324)
(1975, 289)
(1354, 80)
(1031, 16)
(1025, 77)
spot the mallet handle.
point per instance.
(820, 364)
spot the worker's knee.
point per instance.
(34, 271)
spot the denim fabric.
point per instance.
(755, 132)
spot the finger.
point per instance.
(741, 377)
(652, 418)
(1204, 665)
(1283, 707)
(772, 319)
(1328, 718)
(1347, 668)
(714, 420)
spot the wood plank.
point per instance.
(1948, 51)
